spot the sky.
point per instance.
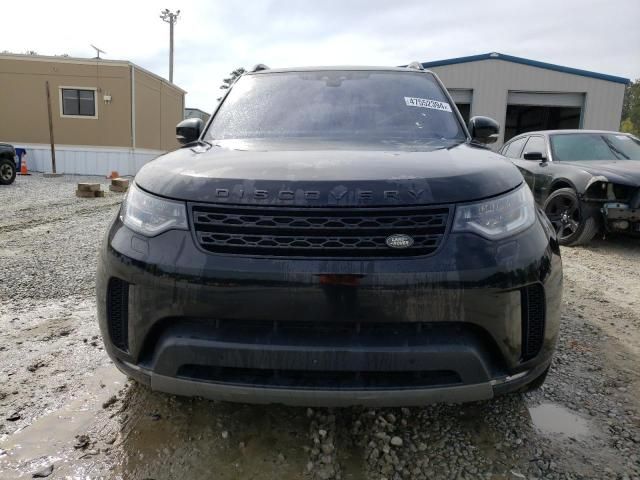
(214, 37)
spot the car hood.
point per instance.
(626, 172)
(317, 177)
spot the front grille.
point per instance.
(533, 320)
(318, 232)
(118, 313)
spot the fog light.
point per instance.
(620, 224)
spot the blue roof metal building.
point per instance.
(526, 61)
(524, 94)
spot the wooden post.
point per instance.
(53, 148)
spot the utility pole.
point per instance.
(171, 18)
(51, 140)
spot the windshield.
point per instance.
(369, 106)
(572, 147)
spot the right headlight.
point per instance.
(150, 215)
(497, 217)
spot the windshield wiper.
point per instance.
(614, 149)
(197, 143)
(455, 143)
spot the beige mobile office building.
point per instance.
(107, 114)
(525, 95)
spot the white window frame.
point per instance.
(95, 100)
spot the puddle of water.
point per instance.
(50, 437)
(557, 420)
(191, 438)
(351, 459)
(49, 326)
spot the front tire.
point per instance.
(7, 171)
(574, 222)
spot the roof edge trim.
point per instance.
(526, 61)
(85, 61)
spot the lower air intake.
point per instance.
(533, 320)
(118, 313)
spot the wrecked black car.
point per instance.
(586, 181)
(332, 236)
(7, 164)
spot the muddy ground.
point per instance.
(65, 411)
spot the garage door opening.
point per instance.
(528, 118)
(465, 111)
(462, 98)
(530, 111)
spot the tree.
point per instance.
(233, 76)
(631, 109)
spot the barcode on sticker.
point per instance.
(426, 103)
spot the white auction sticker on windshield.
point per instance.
(426, 103)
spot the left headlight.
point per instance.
(497, 217)
(150, 215)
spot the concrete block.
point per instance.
(116, 188)
(85, 194)
(88, 187)
(120, 182)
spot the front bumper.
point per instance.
(621, 217)
(388, 397)
(447, 327)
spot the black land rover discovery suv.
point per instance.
(332, 236)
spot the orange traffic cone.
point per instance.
(113, 175)
(23, 167)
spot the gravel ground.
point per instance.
(66, 412)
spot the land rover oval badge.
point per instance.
(399, 240)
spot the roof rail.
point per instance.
(259, 67)
(415, 65)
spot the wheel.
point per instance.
(7, 171)
(574, 222)
(536, 383)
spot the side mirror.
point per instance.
(189, 130)
(539, 156)
(484, 129)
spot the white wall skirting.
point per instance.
(87, 160)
